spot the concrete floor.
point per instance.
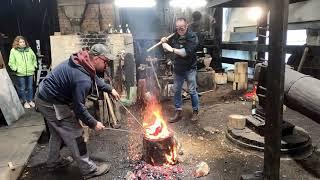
(202, 141)
(17, 143)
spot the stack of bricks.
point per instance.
(92, 21)
(88, 40)
(240, 76)
(119, 43)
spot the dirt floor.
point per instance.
(202, 141)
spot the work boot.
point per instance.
(101, 170)
(195, 116)
(177, 116)
(63, 163)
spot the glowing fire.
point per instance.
(156, 129)
(154, 124)
(172, 157)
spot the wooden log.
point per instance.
(240, 81)
(156, 152)
(236, 121)
(230, 75)
(221, 78)
(206, 81)
(241, 67)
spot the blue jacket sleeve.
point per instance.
(79, 94)
(103, 86)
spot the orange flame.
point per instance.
(156, 128)
(172, 156)
(154, 124)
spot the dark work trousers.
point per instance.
(67, 130)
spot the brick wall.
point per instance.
(62, 46)
(88, 40)
(92, 21)
(64, 22)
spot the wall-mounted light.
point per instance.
(135, 3)
(254, 13)
(188, 3)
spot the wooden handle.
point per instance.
(156, 45)
(113, 116)
(303, 59)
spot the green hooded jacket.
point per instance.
(23, 61)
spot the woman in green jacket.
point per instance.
(23, 62)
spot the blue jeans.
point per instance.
(25, 88)
(190, 76)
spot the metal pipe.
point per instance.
(122, 130)
(301, 93)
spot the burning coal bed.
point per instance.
(159, 148)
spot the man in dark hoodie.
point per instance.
(61, 100)
(183, 47)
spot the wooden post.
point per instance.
(275, 87)
(216, 62)
(240, 76)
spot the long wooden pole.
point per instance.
(159, 43)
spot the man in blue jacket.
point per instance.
(183, 47)
(61, 100)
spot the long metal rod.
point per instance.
(275, 85)
(122, 130)
(155, 74)
(130, 113)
